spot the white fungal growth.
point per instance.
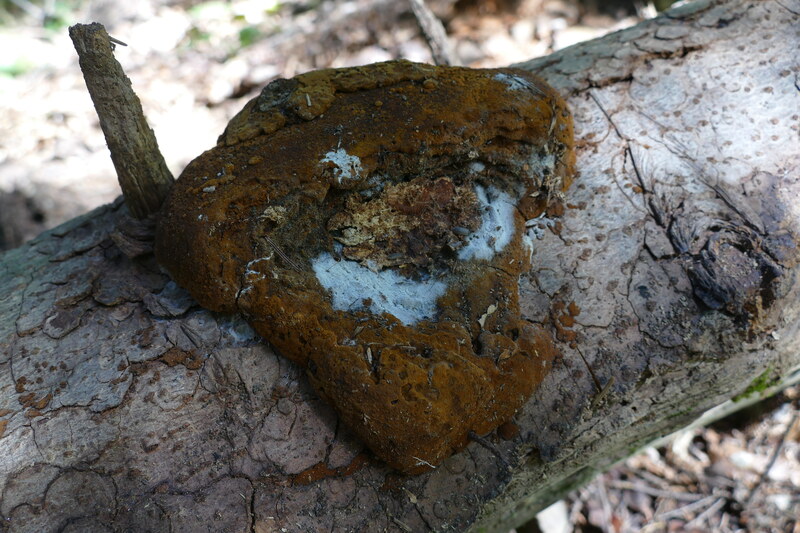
(477, 167)
(527, 242)
(348, 167)
(251, 275)
(497, 225)
(541, 165)
(249, 268)
(387, 291)
(239, 331)
(535, 227)
(517, 83)
(356, 287)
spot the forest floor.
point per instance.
(195, 64)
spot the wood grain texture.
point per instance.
(142, 172)
(123, 405)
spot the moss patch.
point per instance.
(758, 385)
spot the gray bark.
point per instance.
(670, 282)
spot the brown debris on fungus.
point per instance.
(380, 246)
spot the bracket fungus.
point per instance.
(370, 224)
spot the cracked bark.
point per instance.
(671, 280)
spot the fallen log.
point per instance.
(669, 284)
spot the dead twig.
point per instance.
(674, 495)
(652, 479)
(686, 510)
(434, 33)
(705, 515)
(772, 459)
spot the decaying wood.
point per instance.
(123, 405)
(141, 169)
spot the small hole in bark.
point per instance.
(447, 253)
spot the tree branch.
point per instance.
(434, 33)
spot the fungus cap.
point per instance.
(370, 223)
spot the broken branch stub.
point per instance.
(142, 172)
(370, 223)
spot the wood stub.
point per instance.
(142, 172)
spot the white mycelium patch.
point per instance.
(348, 167)
(541, 165)
(535, 230)
(237, 329)
(535, 227)
(408, 300)
(517, 83)
(497, 225)
(477, 167)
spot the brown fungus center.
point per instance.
(370, 222)
(415, 227)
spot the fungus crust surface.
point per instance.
(370, 223)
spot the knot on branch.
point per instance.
(734, 274)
